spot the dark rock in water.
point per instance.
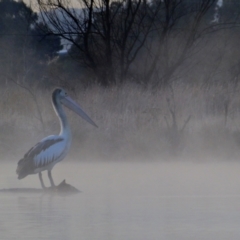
(62, 189)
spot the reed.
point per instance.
(134, 123)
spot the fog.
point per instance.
(135, 182)
(164, 162)
(125, 200)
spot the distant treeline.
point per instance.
(150, 43)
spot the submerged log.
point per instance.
(62, 189)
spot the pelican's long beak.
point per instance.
(71, 104)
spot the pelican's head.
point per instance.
(59, 95)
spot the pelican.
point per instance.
(52, 149)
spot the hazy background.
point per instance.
(162, 86)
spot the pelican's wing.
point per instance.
(43, 145)
(46, 150)
(43, 153)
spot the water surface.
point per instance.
(130, 201)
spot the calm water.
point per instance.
(126, 201)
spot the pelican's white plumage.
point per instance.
(57, 151)
(52, 149)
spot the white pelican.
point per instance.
(52, 149)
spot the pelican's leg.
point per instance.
(41, 180)
(50, 178)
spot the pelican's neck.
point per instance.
(65, 128)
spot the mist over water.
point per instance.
(125, 200)
(133, 185)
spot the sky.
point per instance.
(220, 3)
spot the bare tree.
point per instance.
(133, 39)
(178, 31)
(106, 36)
